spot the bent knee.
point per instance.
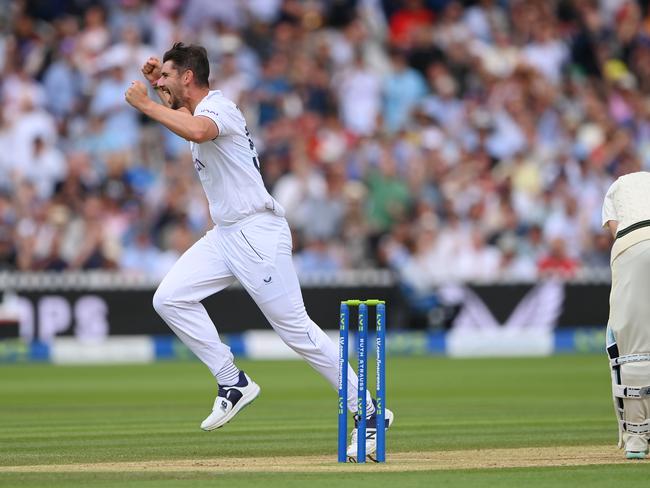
(170, 295)
(158, 301)
(162, 298)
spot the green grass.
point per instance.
(596, 476)
(57, 415)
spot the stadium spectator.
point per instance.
(557, 262)
(444, 141)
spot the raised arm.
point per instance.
(182, 122)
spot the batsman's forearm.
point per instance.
(613, 227)
(180, 121)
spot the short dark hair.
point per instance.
(193, 58)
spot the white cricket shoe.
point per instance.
(371, 435)
(230, 400)
(636, 447)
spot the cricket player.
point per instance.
(250, 241)
(626, 212)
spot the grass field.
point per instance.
(138, 426)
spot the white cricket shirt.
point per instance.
(628, 200)
(228, 166)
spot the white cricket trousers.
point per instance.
(257, 252)
(629, 322)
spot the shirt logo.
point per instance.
(267, 280)
(198, 165)
(208, 111)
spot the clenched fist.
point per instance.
(137, 95)
(152, 70)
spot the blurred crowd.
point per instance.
(447, 140)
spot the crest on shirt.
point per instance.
(198, 165)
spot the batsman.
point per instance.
(626, 212)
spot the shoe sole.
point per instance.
(369, 455)
(245, 401)
(635, 455)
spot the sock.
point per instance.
(228, 375)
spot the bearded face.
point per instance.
(170, 82)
